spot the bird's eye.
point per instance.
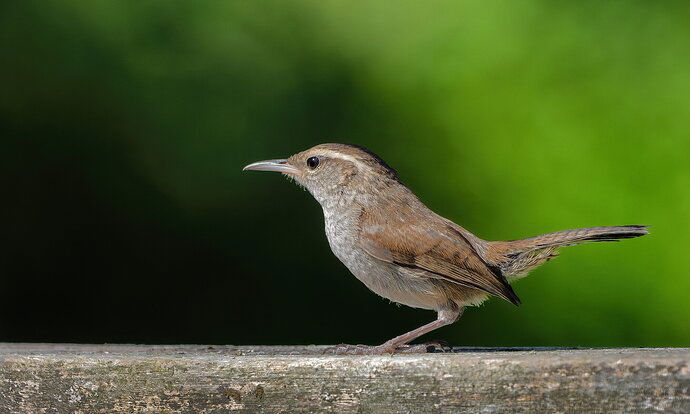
(313, 162)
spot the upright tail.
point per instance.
(517, 257)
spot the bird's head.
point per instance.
(333, 171)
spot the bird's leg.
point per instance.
(399, 343)
(445, 317)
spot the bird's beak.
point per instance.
(281, 166)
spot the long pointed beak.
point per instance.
(280, 166)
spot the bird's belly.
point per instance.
(385, 279)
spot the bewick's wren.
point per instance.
(405, 252)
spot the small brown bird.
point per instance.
(405, 252)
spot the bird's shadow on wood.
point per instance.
(462, 349)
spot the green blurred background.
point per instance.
(125, 124)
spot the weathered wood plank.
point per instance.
(199, 379)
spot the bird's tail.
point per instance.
(517, 257)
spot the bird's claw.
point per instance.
(386, 349)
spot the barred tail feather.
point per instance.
(518, 257)
(576, 236)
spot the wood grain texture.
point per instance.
(202, 379)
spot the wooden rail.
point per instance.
(54, 378)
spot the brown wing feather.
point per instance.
(428, 242)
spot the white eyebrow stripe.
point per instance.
(350, 158)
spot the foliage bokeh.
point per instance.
(125, 126)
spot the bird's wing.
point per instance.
(432, 244)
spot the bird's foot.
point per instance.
(387, 349)
(425, 348)
(437, 346)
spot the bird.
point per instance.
(405, 252)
